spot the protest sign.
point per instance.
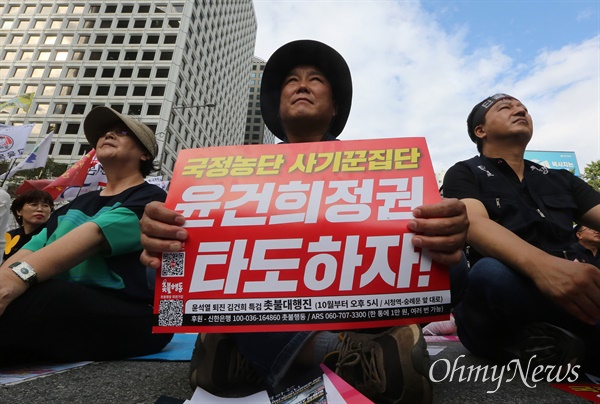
(308, 236)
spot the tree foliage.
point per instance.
(591, 174)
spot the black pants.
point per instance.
(66, 322)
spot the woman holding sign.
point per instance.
(77, 290)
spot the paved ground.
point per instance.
(144, 382)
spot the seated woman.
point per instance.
(77, 290)
(31, 210)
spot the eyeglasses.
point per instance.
(35, 205)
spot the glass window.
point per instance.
(121, 90)
(127, 9)
(72, 128)
(61, 56)
(135, 109)
(84, 90)
(158, 91)
(112, 56)
(102, 90)
(26, 55)
(160, 8)
(139, 90)
(144, 72)
(156, 24)
(30, 89)
(126, 72)
(9, 55)
(94, 9)
(77, 9)
(37, 72)
(55, 24)
(90, 72)
(89, 23)
(12, 10)
(170, 39)
(78, 109)
(39, 24)
(66, 90)
(148, 55)
(12, 90)
(166, 55)
(162, 73)
(100, 39)
(105, 23)
(33, 39)
(153, 110)
(60, 108)
(117, 107)
(144, 9)
(83, 39)
(45, 9)
(111, 9)
(7, 24)
(41, 108)
(62, 9)
(95, 55)
(173, 23)
(118, 39)
(16, 39)
(139, 23)
(50, 40)
(48, 90)
(122, 23)
(71, 24)
(66, 39)
(44, 55)
(73, 72)
(66, 149)
(108, 72)
(29, 10)
(54, 72)
(152, 39)
(135, 39)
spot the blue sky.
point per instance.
(419, 67)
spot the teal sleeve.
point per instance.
(38, 241)
(121, 228)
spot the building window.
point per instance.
(173, 23)
(60, 109)
(169, 39)
(78, 109)
(156, 24)
(144, 9)
(121, 90)
(127, 9)
(48, 90)
(72, 128)
(130, 55)
(100, 39)
(102, 90)
(158, 91)
(153, 110)
(105, 23)
(94, 9)
(61, 56)
(126, 72)
(108, 72)
(139, 23)
(139, 90)
(152, 39)
(66, 149)
(166, 55)
(66, 90)
(118, 39)
(117, 107)
(148, 56)
(83, 39)
(122, 23)
(90, 72)
(112, 56)
(135, 109)
(110, 9)
(84, 90)
(145, 73)
(74, 71)
(95, 55)
(89, 24)
(162, 73)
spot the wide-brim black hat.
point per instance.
(305, 52)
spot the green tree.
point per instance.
(591, 174)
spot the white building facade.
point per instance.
(181, 66)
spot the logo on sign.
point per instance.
(6, 143)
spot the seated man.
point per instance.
(587, 246)
(523, 299)
(77, 290)
(306, 95)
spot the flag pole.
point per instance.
(10, 167)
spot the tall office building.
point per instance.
(180, 65)
(256, 132)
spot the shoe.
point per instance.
(447, 327)
(388, 368)
(546, 345)
(218, 367)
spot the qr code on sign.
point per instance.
(170, 313)
(172, 264)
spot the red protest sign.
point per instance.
(306, 236)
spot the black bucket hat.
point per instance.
(305, 52)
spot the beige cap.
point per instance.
(100, 119)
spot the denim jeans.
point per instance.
(499, 302)
(272, 353)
